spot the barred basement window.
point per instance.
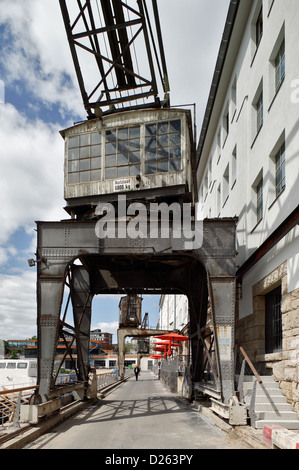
(273, 322)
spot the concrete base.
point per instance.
(284, 439)
(277, 437)
(33, 413)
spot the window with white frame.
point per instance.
(225, 124)
(277, 172)
(218, 146)
(259, 27)
(277, 65)
(234, 97)
(234, 167)
(280, 180)
(210, 172)
(225, 185)
(259, 200)
(259, 112)
(218, 201)
(280, 66)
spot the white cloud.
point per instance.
(37, 56)
(31, 177)
(37, 60)
(107, 327)
(18, 305)
(191, 33)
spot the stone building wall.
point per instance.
(250, 333)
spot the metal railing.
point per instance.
(106, 378)
(10, 402)
(11, 399)
(246, 361)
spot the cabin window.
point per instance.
(122, 152)
(2, 365)
(84, 158)
(118, 155)
(163, 147)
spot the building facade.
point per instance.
(248, 167)
(104, 338)
(173, 312)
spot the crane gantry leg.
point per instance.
(205, 276)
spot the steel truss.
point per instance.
(109, 31)
(71, 256)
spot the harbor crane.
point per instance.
(133, 150)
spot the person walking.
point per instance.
(136, 372)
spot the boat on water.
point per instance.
(17, 373)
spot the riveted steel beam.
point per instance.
(206, 275)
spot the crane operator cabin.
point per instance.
(131, 142)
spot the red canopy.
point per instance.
(172, 337)
(165, 344)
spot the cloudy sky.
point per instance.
(39, 96)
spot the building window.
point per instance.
(225, 125)
(259, 112)
(218, 146)
(210, 172)
(218, 200)
(225, 185)
(259, 28)
(277, 170)
(234, 98)
(273, 321)
(280, 180)
(280, 66)
(277, 65)
(259, 201)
